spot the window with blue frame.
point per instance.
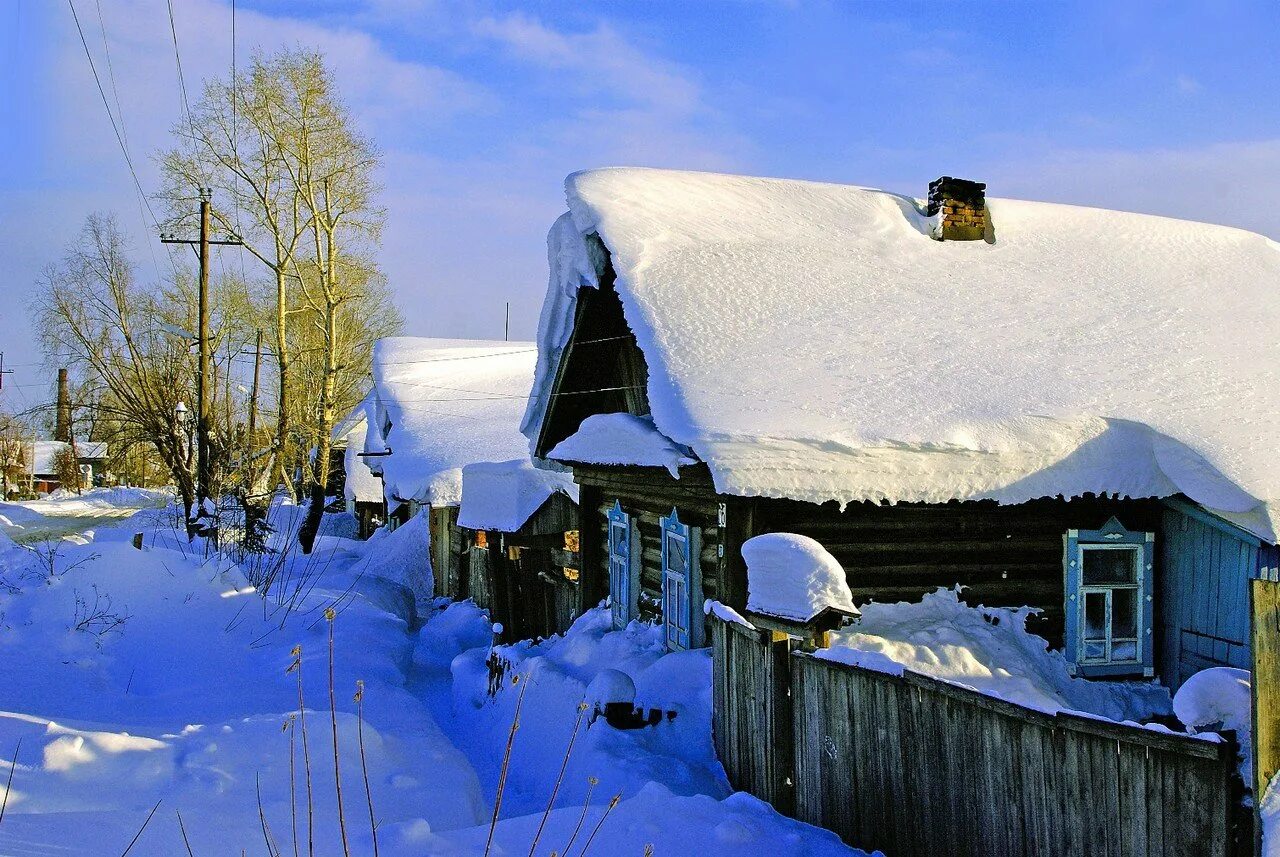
(621, 589)
(681, 584)
(1108, 577)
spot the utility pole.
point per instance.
(204, 389)
(253, 392)
(3, 371)
(506, 324)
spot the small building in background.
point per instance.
(351, 477)
(438, 405)
(522, 524)
(91, 457)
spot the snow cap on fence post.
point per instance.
(794, 586)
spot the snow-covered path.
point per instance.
(32, 521)
(189, 707)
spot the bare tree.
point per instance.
(233, 145)
(91, 313)
(66, 467)
(15, 451)
(283, 149)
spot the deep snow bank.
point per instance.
(989, 650)
(182, 697)
(674, 795)
(678, 753)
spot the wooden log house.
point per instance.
(723, 356)
(438, 405)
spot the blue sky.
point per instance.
(481, 108)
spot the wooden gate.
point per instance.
(752, 704)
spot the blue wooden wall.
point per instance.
(1202, 606)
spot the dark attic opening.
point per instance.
(602, 369)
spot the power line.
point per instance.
(177, 57)
(110, 116)
(124, 130)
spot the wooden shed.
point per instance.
(521, 561)
(438, 405)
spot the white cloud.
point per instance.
(1188, 85)
(601, 60)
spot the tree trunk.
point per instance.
(324, 430)
(282, 362)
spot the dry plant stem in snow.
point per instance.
(8, 786)
(272, 851)
(506, 762)
(551, 802)
(364, 767)
(138, 835)
(296, 666)
(592, 782)
(608, 809)
(293, 781)
(330, 615)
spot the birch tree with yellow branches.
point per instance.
(295, 179)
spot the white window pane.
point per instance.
(1125, 651)
(1095, 651)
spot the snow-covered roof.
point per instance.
(620, 439)
(794, 577)
(344, 430)
(361, 485)
(502, 495)
(448, 403)
(44, 452)
(812, 341)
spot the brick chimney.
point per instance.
(62, 423)
(959, 209)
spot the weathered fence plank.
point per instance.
(912, 765)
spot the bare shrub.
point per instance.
(98, 618)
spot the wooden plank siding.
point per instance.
(755, 742)
(912, 765)
(1004, 556)
(648, 494)
(1203, 616)
(1265, 612)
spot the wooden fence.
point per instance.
(914, 766)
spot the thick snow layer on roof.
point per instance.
(45, 451)
(620, 439)
(812, 341)
(503, 495)
(793, 577)
(441, 404)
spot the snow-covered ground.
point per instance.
(63, 513)
(133, 681)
